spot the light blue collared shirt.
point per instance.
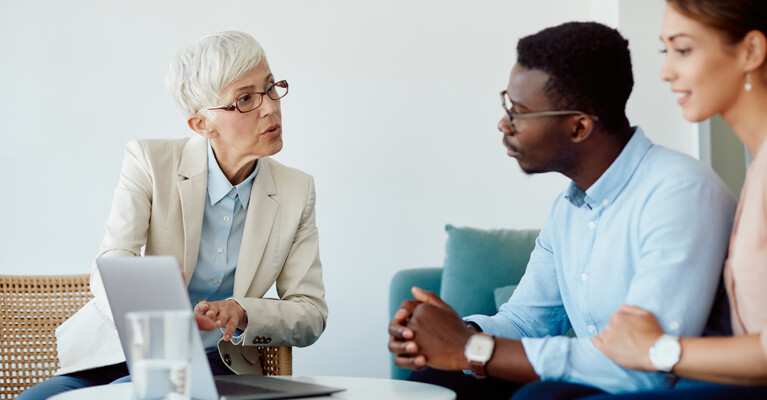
(652, 231)
(223, 223)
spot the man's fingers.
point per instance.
(410, 362)
(405, 310)
(419, 361)
(402, 315)
(399, 347)
(409, 304)
(426, 296)
(400, 332)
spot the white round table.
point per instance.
(356, 388)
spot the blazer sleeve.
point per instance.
(128, 221)
(299, 316)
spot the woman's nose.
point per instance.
(666, 72)
(269, 106)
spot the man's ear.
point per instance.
(583, 128)
(202, 126)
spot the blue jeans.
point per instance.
(117, 373)
(555, 390)
(465, 386)
(685, 389)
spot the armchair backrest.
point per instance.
(31, 307)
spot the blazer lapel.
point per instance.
(262, 211)
(192, 187)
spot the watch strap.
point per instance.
(478, 368)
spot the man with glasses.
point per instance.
(639, 224)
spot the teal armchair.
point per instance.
(480, 271)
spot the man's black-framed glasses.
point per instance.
(250, 101)
(508, 105)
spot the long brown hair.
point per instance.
(732, 18)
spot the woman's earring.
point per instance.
(748, 85)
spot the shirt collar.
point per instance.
(219, 186)
(614, 179)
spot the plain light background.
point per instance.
(393, 108)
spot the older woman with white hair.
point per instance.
(237, 221)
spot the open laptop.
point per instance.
(155, 283)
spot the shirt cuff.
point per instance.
(548, 356)
(237, 337)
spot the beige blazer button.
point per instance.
(228, 360)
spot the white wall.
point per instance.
(393, 108)
(652, 105)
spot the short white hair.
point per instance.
(200, 72)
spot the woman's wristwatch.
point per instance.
(665, 353)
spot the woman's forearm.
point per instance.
(730, 360)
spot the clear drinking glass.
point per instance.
(160, 344)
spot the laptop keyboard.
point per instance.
(231, 388)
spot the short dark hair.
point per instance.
(733, 19)
(589, 68)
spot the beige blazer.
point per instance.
(158, 208)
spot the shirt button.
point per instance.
(605, 202)
(215, 281)
(673, 325)
(231, 191)
(592, 225)
(592, 329)
(226, 219)
(220, 250)
(584, 276)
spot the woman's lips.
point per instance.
(273, 131)
(681, 97)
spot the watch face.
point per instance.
(664, 354)
(479, 348)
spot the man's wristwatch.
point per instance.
(479, 351)
(665, 353)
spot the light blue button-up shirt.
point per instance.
(223, 223)
(652, 231)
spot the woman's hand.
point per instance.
(628, 337)
(226, 314)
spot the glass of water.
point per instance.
(160, 343)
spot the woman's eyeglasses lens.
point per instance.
(251, 101)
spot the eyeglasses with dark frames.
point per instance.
(250, 101)
(508, 105)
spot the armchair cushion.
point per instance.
(503, 294)
(477, 261)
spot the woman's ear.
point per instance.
(755, 50)
(583, 128)
(201, 125)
